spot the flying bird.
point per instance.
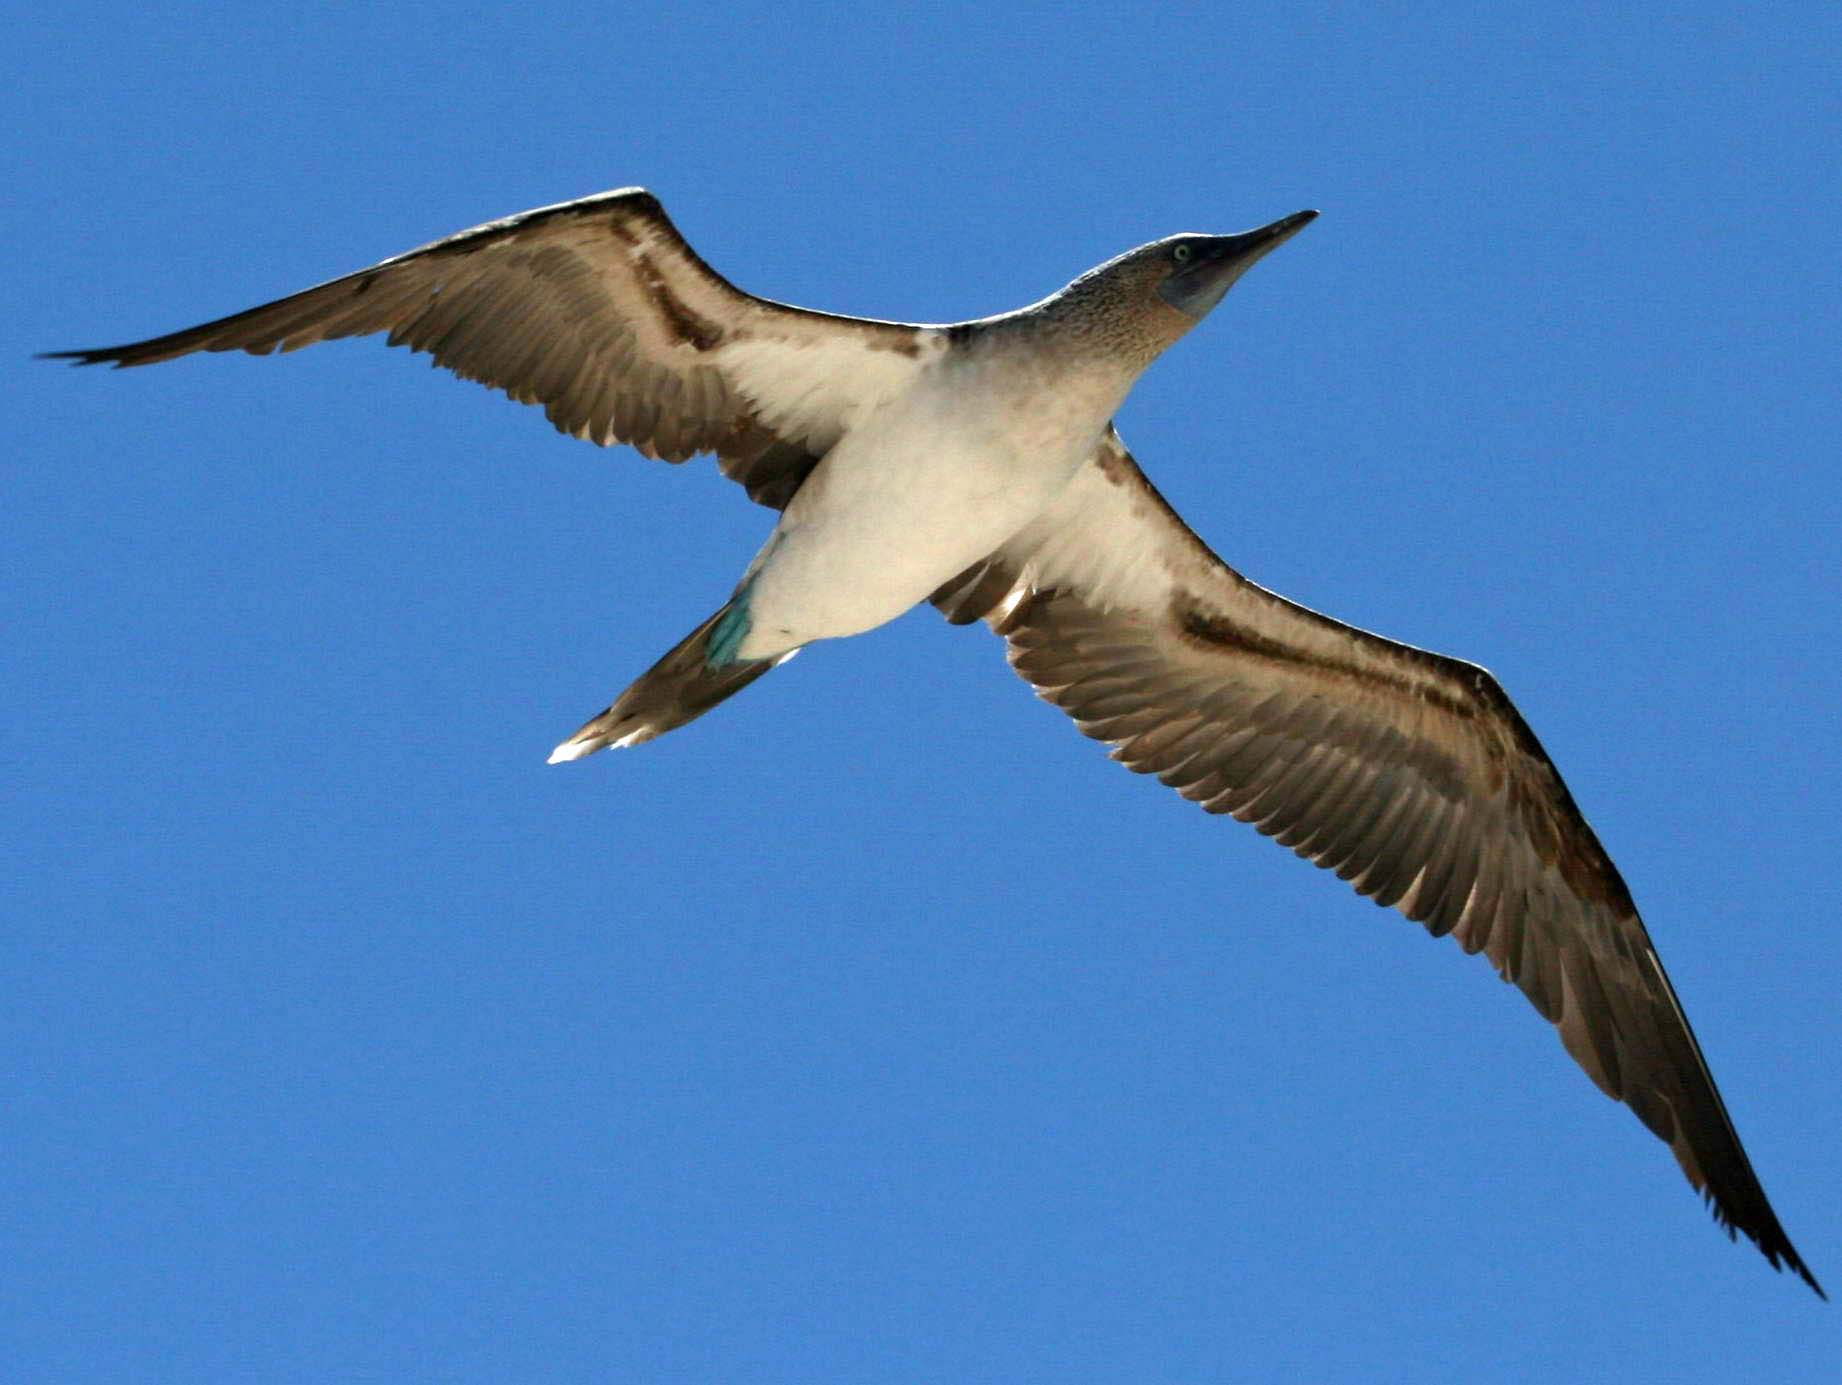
(975, 465)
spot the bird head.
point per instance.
(1139, 303)
(1192, 272)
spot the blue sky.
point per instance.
(876, 1027)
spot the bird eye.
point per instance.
(1180, 254)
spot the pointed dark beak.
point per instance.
(1249, 247)
(1221, 260)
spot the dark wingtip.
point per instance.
(79, 357)
(1776, 1247)
(1795, 1261)
(1769, 1238)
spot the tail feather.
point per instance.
(700, 671)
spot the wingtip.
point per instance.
(1803, 1272)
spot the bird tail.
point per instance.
(701, 670)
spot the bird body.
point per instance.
(976, 466)
(981, 442)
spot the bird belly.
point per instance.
(894, 511)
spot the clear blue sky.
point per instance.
(876, 1027)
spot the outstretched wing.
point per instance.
(1409, 774)
(599, 311)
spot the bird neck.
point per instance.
(1106, 320)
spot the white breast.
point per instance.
(917, 492)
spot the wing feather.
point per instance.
(599, 311)
(1410, 775)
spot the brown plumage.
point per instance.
(1409, 774)
(596, 309)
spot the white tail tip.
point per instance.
(569, 750)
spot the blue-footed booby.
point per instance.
(975, 465)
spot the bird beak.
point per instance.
(1220, 260)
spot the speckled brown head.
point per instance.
(1148, 297)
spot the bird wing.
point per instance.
(1408, 773)
(598, 310)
